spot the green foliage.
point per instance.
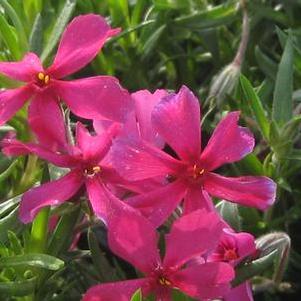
(163, 44)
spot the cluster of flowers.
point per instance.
(133, 184)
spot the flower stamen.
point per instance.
(197, 171)
(230, 254)
(44, 78)
(92, 171)
(163, 281)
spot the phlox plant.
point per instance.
(137, 168)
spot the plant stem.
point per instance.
(39, 231)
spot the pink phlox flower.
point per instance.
(176, 118)
(138, 126)
(133, 238)
(242, 292)
(88, 163)
(233, 248)
(138, 123)
(93, 97)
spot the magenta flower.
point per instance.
(134, 239)
(93, 97)
(234, 248)
(138, 123)
(242, 292)
(177, 120)
(88, 163)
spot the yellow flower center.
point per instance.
(197, 171)
(92, 171)
(43, 78)
(164, 281)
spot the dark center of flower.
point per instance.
(230, 254)
(90, 172)
(164, 281)
(43, 79)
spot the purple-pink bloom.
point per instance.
(177, 120)
(88, 163)
(138, 123)
(233, 248)
(132, 237)
(242, 292)
(93, 97)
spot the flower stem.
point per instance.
(39, 231)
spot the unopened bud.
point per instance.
(224, 83)
(281, 242)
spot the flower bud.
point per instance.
(224, 83)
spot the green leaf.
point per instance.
(18, 288)
(60, 239)
(4, 175)
(15, 243)
(229, 212)
(256, 106)
(137, 296)
(216, 16)
(17, 24)
(267, 65)
(9, 205)
(9, 222)
(291, 128)
(179, 296)
(9, 37)
(250, 164)
(152, 41)
(36, 36)
(58, 28)
(119, 11)
(35, 260)
(100, 262)
(256, 267)
(171, 4)
(283, 93)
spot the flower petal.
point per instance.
(258, 192)
(242, 292)
(197, 198)
(158, 205)
(25, 70)
(12, 147)
(51, 193)
(242, 244)
(80, 43)
(101, 199)
(191, 235)
(132, 237)
(163, 294)
(205, 281)
(46, 120)
(137, 160)
(12, 100)
(228, 143)
(121, 290)
(245, 244)
(144, 104)
(98, 97)
(93, 147)
(177, 120)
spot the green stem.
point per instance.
(39, 232)
(29, 174)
